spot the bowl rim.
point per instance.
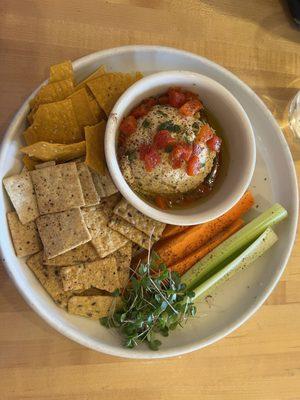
(117, 175)
(76, 335)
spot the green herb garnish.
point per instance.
(155, 301)
(169, 126)
(162, 113)
(146, 123)
(131, 155)
(169, 148)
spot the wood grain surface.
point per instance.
(257, 41)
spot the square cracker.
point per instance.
(49, 279)
(89, 191)
(104, 184)
(57, 188)
(100, 274)
(22, 196)
(124, 228)
(61, 232)
(45, 164)
(145, 224)
(25, 238)
(123, 258)
(104, 239)
(93, 307)
(83, 253)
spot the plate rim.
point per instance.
(80, 338)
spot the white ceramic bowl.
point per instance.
(274, 180)
(236, 129)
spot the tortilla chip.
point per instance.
(61, 232)
(51, 92)
(83, 253)
(101, 274)
(83, 112)
(46, 151)
(49, 279)
(55, 123)
(99, 71)
(29, 162)
(99, 114)
(145, 224)
(108, 88)
(45, 164)
(59, 72)
(124, 228)
(57, 188)
(123, 258)
(25, 238)
(104, 184)
(89, 191)
(22, 196)
(93, 307)
(94, 137)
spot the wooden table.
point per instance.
(255, 40)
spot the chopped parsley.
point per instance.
(195, 126)
(131, 155)
(162, 113)
(146, 123)
(169, 126)
(169, 148)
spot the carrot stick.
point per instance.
(186, 263)
(179, 246)
(171, 230)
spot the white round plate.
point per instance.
(274, 181)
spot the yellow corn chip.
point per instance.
(54, 122)
(30, 117)
(94, 137)
(108, 88)
(61, 71)
(51, 92)
(29, 162)
(82, 109)
(100, 71)
(46, 151)
(96, 110)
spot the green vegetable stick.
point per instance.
(254, 251)
(236, 242)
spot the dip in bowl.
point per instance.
(165, 154)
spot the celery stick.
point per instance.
(254, 251)
(236, 242)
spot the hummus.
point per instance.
(164, 179)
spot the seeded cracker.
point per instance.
(104, 184)
(129, 231)
(45, 164)
(49, 279)
(145, 224)
(93, 307)
(100, 274)
(123, 258)
(25, 238)
(57, 188)
(83, 253)
(89, 191)
(22, 196)
(62, 231)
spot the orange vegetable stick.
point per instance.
(171, 230)
(186, 263)
(181, 245)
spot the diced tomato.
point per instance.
(205, 134)
(150, 102)
(214, 143)
(128, 125)
(161, 202)
(197, 148)
(150, 156)
(140, 111)
(189, 108)
(193, 166)
(163, 100)
(176, 97)
(180, 153)
(190, 95)
(162, 139)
